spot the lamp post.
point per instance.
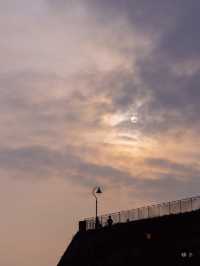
(95, 191)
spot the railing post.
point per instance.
(82, 226)
(169, 208)
(191, 205)
(119, 217)
(180, 206)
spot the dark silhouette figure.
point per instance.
(109, 221)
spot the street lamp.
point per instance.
(95, 191)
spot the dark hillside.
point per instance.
(168, 240)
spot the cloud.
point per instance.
(42, 162)
(37, 162)
(168, 94)
(142, 76)
(97, 92)
(157, 78)
(169, 188)
(173, 167)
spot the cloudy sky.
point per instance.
(93, 92)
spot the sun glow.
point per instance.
(118, 118)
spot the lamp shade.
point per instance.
(98, 191)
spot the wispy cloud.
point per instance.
(101, 92)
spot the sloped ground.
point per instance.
(170, 240)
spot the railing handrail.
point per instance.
(134, 214)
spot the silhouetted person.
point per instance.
(110, 221)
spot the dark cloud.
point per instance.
(171, 179)
(43, 162)
(190, 170)
(169, 188)
(140, 13)
(174, 99)
(40, 162)
(183, 40)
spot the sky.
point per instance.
(93, 92)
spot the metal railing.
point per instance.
(157, 210)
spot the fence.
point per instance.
(158, 210)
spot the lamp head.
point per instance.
(98, 191)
